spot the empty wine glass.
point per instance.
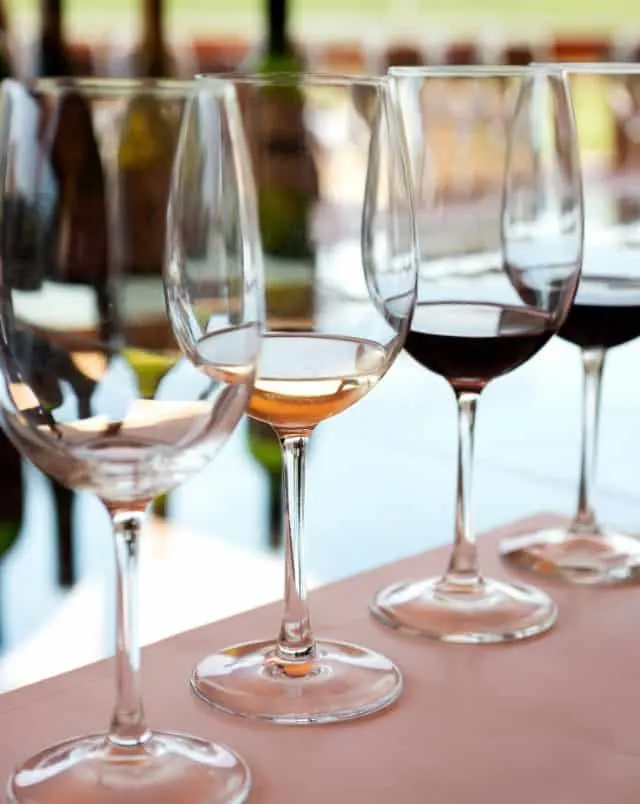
(500, 260)
(337, 226)
(606, 314)
(95, 390)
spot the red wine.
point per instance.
(601, 325)
(606, 309)
(470, 344)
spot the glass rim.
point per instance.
(294, 78)
(470, 70)
(115, 86)
(597, 67)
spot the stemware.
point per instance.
(606, 314)
(95, 389)
(337, 226)
(499, 223)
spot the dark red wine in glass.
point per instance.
(596, 325)
(499, 219)
(605, 314)
(471, 344)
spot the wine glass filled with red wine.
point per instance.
(606, 315)
(500, 213)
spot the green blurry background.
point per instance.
(521, 18)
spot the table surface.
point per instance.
(553, 719)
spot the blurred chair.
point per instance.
(337, 57)
(83, 59)
(582, 49)
(220, 55)
(404, 55)
(463, 53)
(519, 55)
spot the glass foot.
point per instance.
(169, 768)
(585, 556)
(491, 611)
(341, 683)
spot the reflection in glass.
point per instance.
(95, 389)
(336, 221)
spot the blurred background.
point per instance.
(381, 475)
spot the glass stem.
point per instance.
(593, 366)
(295, 641)
(462, 573)
(128, 728)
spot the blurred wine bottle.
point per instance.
(265, 448)
(276, 53)
(53, 58)
(11, 498)
(6, 57)
(145, 161)
(153, 57)
(54, 61)
(285, 173)
(287, 187)
(146, 151)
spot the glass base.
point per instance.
(342, 682)
(491, 611)
(585, 556)
(169, 768)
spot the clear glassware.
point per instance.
(95, 389)
(338, 234)
(606, 314)
(500, 241)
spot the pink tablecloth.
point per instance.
(548, 721)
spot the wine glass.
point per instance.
(500, 252)
(337, 226)
(95, 389)
(606, 314)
